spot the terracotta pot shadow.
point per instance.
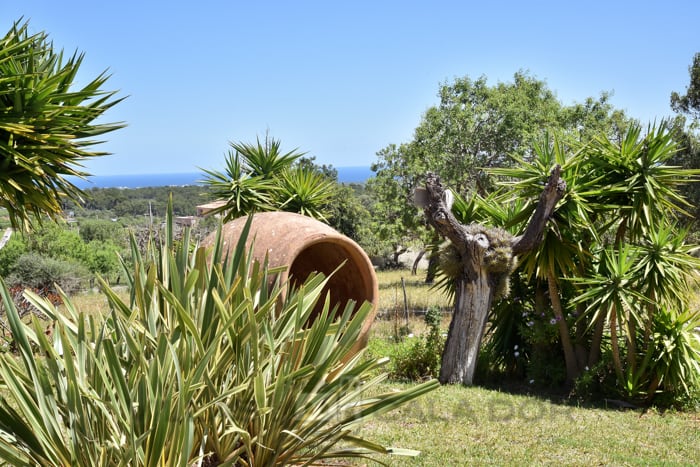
(304, 245)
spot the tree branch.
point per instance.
(437, 212)
(553, 191)
(439, 215)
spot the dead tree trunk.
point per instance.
(484, 259)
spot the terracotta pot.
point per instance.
(304, 245)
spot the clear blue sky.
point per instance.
(342, 80)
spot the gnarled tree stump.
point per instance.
(485, 259)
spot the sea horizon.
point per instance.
(355, 174)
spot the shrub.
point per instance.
(206, 363)
(10, 253)
(36, 271)
(420, 359)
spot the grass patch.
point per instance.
(458, 425)
(419, 295)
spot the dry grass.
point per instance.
(419, 295)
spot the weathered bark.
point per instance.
(473, 300)
(550, 196)
(477, 278)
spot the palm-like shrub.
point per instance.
(241, 192)
(46, 125)
(259, 177)
(307, 192)
(204, 362)
(617, 268)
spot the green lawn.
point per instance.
(458, 425)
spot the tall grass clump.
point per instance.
(205, 363)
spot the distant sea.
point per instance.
(345, 175)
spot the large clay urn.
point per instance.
(304, 245)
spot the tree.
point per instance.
(396, 222)
(484, 259)
(687, 136)
(689, 103)
(616, 266)
(13, 249)
(46, 125)
(102, 230)
(562, 253)
(475, 127)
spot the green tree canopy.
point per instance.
(689, 103)
(476, 127)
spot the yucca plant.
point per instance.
(307, 192)
(47, 125)
(676, 352)
(203, 363)
(259, 177)
(242, 192)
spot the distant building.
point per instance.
(186, 221)
(205, 209)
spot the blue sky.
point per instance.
(342, 80)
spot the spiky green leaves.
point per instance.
(46, 124)
(259, 177)
(204, 362)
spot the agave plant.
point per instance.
(46, 124)
(204, 362)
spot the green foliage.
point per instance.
(137, 202)
(688, 157)
(205, 363)
(101, 230)
(46, 125)
(259, 177)
(350, 216)
(62, 250)
(475, 128)
(103, 258)
(58, 241)
(306, 191)
(265, 159)
(675, 353)
(614, 261)
(10, 253)
(419, 358)
(689, 102)
(41, 272)
(242, 191)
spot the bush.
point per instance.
(420, 359)
(10, 253)
(37, 271)
(205, 363)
